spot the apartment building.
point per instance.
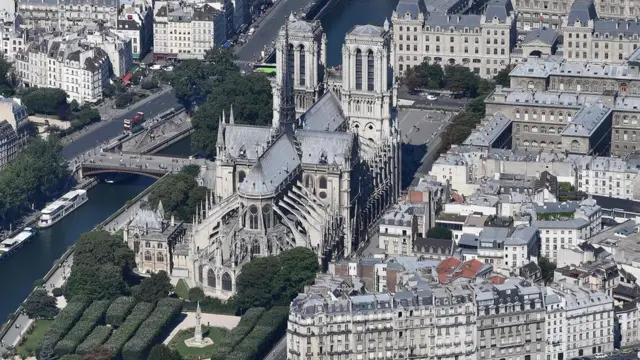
(538, 14)
(186, 31)
(13, 132)
(63, 14)
(480, 42)
(583, 322)
(12, 37)
(510, 321)
(627, 316)
(136, 23)
(74, 63)
(398, 230)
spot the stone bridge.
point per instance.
(147, 165)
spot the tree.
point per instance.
(440, 233)
(196, 294)
(179, 193)
(123, 100)
(39, 305)
(298, 268)
(8, 78)
(149, 84)
(46, 352)
(100, 353)
(96, 282)
(103, 248)
(47, 101)
(163, 352)
(460, 80)
(424, 76)
(547, 267)
(502, 77)
(153, 288)
(256, 282)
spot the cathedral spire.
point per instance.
(220, 141)
(231, 121)
(287, 106)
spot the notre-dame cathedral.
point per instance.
(319, 177)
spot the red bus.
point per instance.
(133, 122)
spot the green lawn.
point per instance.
(214, 333)
(33, 340)
(182, 289)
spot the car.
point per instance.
(432, 97)
(627, 351)
(601, 356)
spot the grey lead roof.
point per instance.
(245, 141)
(617, 27)
(410, 7)
(582, 11)
(272, 169)
(320, 147)
(498, 9)
(366, 30)
(490, 132)
(587, 120)
(455, 21)
(325, 115)
(547, 36)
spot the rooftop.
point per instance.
(587, 120)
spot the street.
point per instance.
(279, 352)
(23, 322)
(267, 28)
(107, 130)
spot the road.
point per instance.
(12, 337)
(279, 352)
(267, 28)
(112, 128)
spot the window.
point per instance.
(147, 256)
(211, 278)
(370, 69)
(255, 248)
(302, 65)
(323, 182)
(159, 257)
(359, 69)
(266, 216)
(253, 217)
(226, 282)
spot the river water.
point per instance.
(33, 261)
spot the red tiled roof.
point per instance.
(127, 78)
(496, 279)
(452, 268)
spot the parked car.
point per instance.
(432, 97)
(601, 356)
(627, 351)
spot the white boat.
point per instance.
(62, 207)
(10, 245)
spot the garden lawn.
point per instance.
(33, 340)
(189, 353)
(182, 289)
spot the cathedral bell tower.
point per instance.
(305, 44)
(367, 81)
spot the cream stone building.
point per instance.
(481, 42)
(64, 14)
(318, 180)
(186, 31)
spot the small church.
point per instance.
(319, 177)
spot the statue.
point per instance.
(198, 340)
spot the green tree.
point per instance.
(96, 282)
(123, 100)
(103, 248)
(502, 77)
(163, 352)
(477, 107)
(100, 353)
(547, 267)
(298, 268)
(440, 233)
(149, 84)
(424, 76)
(460, 80)
(196, 294)
(39, 305)
(179, 193)
(153, 288)
(191, 170)
(8, 77)
(46, 352)
(47, 101)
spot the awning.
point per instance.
(127, 78)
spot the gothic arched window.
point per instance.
(370, 68)
(358, 69)
(308, 182)
(266, 216)
(241, 176)
(159, 257)
(253, 217)
(147, 256)
(322, 182)
(211, 279)
(301, 66)
(255, 248)
(200, 273)
(226, 282)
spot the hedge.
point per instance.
(89, 320)
(119, 310)
(64, 321)
(227, 344)
(120, 337)
(268, 330)
(97, 337)
(139, 345)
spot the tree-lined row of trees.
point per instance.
(212, 86)
(34, 177)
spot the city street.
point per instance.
(23, 322)
(279, 352)
(106, 130)
(267, 28)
